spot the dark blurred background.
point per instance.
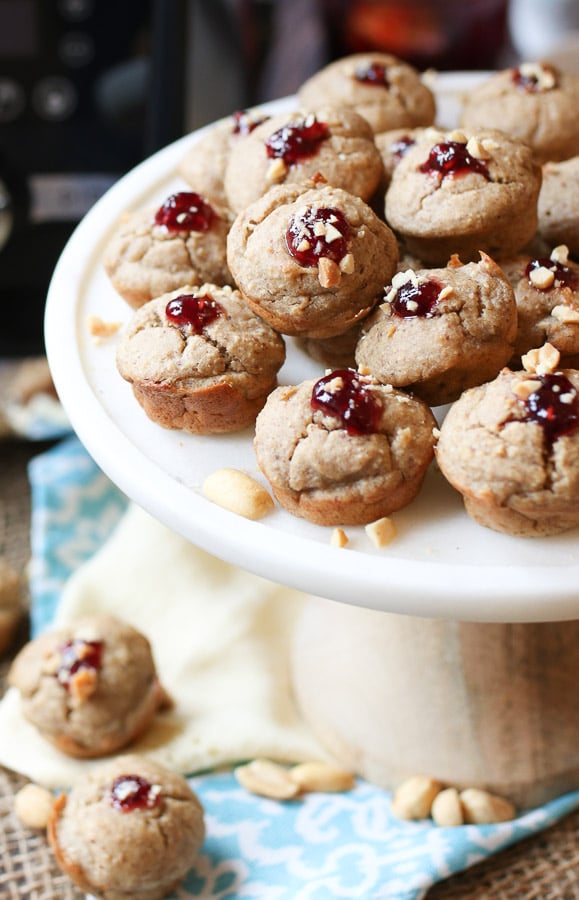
(88, 89)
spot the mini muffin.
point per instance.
(130, 828)
(203, 166)
(155, 251)
(440, 331)
(294, 147)
(344, 450)
(200, 360)
(11, 603)
(559, 204)
(89, 688)
(533, 102)
(547, 297)
(311, 262)
(389, 93)
(462, 193)
(511, 448)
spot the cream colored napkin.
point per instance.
(220, 638)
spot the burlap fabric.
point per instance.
(544, 867)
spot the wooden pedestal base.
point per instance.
(474, 705)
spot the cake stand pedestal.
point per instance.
(471, 704)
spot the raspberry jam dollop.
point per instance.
(401, 147)
(373, 73)
(345, 395)
(194, 311)
(186, 211)
(534, 79)
(554, 406)
(297, 140)
(316, 233)
(564, 276)
(452, 158)
(413, 300)
(78, 654)
(130, 792)
(244, 122)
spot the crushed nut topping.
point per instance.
(566, 314)
(541, 361)
(542, 277)
(328, 272)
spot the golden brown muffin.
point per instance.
(292, 148)
(547, 296)
(511, 448)
(440, 331)
(461, 193)
(89, 688)
(344, 450)
(130, 829)
(533, 102)
(311, 261)
(200, 360)
(181, 242)
(388, 92)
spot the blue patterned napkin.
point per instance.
(319, 847)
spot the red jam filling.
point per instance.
(185, 211)
(564, 276)
(344, 395)
(452, 158)
(413, 300)
(401, 147)
(298, 140)
(194, 311)
(528, 82)
(374, 73)
(76, 655)
(130, 792)
(316, 233)
(244, 122)
(554, 406)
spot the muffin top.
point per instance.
(334, 142)
(389, 93)
(534, 102)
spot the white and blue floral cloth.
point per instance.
(319, 847)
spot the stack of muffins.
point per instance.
(420, 267)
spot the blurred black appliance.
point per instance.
(87, 90)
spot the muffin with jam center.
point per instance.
(345, 449)
(181, 242)
(199, 360)
(455, 192)
(130, 828)
(311, 261)
(292, 148)
(388, 92)
(89, 688)
(440, 331)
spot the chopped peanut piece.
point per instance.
(565, 314)
(277, 170)
(542, 277)
(542, 360)
(328, 272)
(339, 538)
(477, 149)
(524, 389)
(560, 253)
(101, 329)
(347, 264)
(238, 492)
(381, 532)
